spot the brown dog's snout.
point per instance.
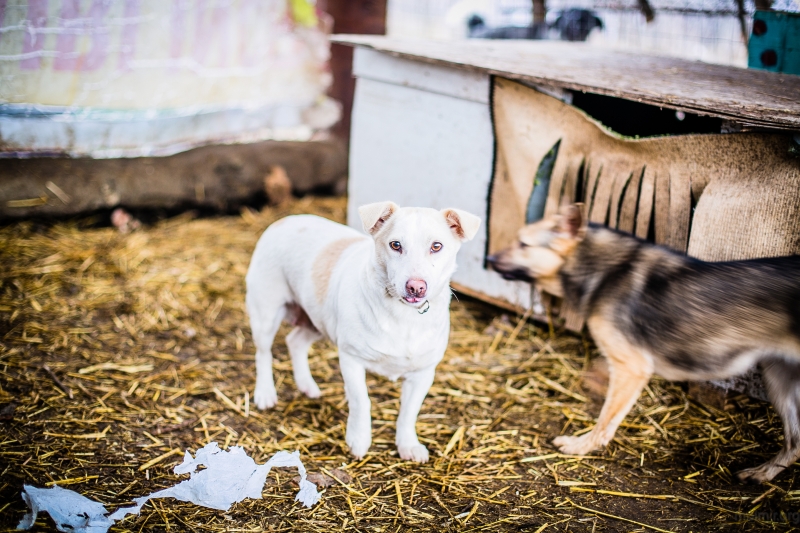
(416, 287)
(507, 269)
(495, 262)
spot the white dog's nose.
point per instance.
(416, 287)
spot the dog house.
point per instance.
(487, 126)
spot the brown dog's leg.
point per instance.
(629, 372)
(782, 379)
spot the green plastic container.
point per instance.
(775, 42)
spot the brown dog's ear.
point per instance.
(374, 216)
(571, 221)
(464, 225)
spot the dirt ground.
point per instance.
(119, 351)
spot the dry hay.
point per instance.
(147, 333)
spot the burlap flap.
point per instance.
(739, 194)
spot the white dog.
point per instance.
(383, 301)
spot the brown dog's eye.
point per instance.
(523, 245)
(435, 247)
(396, 246)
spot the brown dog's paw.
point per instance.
(758, 474)
(582, 445)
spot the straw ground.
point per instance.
(117, 352)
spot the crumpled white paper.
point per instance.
(229, 477)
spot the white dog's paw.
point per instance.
(416, 452)
(576, 445)
(309, 388)
(358, 443)
(265, 396)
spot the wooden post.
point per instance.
(763, 5)
(350, 16)
(740, 10)
(539, 11)
(647, 10)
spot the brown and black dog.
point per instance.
(654, 311)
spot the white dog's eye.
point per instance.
(396, 246)
(435, 247)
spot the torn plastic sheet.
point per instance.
(228, 477)
(70, 510)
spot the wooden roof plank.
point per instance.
(751, 97)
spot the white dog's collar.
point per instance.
(422, 309)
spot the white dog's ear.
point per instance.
(374, 216)
(464, 225)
